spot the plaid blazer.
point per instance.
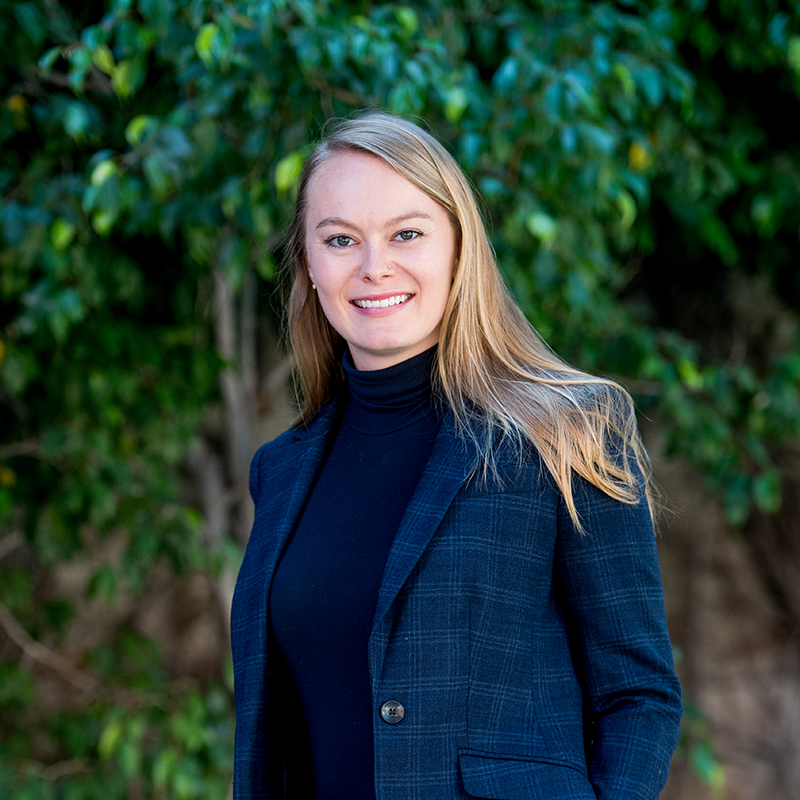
(532, 661)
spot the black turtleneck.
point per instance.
(326, 585)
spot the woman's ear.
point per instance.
(311, 277)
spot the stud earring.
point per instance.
(314, 286)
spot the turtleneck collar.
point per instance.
(386, 400)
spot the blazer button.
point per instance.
(392, 712)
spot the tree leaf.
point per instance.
(543, 227)
(287, 171)
(767, 493)
(204, 43)
(62, 233)
(137, 127)
(456, 104)
(793, 53)
(103, 59)
(102, 172)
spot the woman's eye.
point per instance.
(407, 236)
(340, 241)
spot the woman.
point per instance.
(451, 588)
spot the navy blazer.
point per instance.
(532, 661)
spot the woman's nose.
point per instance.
(376, 264)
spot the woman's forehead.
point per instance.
(353, 182)
(347, 167)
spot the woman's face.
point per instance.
(382, 254)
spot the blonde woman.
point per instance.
(451, 589)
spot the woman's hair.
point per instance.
(492, 368)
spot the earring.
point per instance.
(314, 286)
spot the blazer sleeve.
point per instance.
(611, 594)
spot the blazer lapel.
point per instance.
(450, 464)
(298, 473)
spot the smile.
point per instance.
(397, 300)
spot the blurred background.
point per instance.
(640, 173)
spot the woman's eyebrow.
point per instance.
(409, 215)
(394, 221)
(333, 221)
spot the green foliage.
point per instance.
(632, 171)
(172, 746)
(696, 742)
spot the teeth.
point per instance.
(385, 303)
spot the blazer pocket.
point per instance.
(501, 777)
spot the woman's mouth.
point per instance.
(396, 300)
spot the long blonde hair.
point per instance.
(492, 368)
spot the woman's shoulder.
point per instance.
(281, 442)
(270, 454)
(271, 458)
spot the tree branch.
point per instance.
(10, 543)
(28, 447)
(95, 81)
(278, 375)
(208, 473)
(322, 86)
(247, 338)
(72, 766)
(234, 393)
(42, 654)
